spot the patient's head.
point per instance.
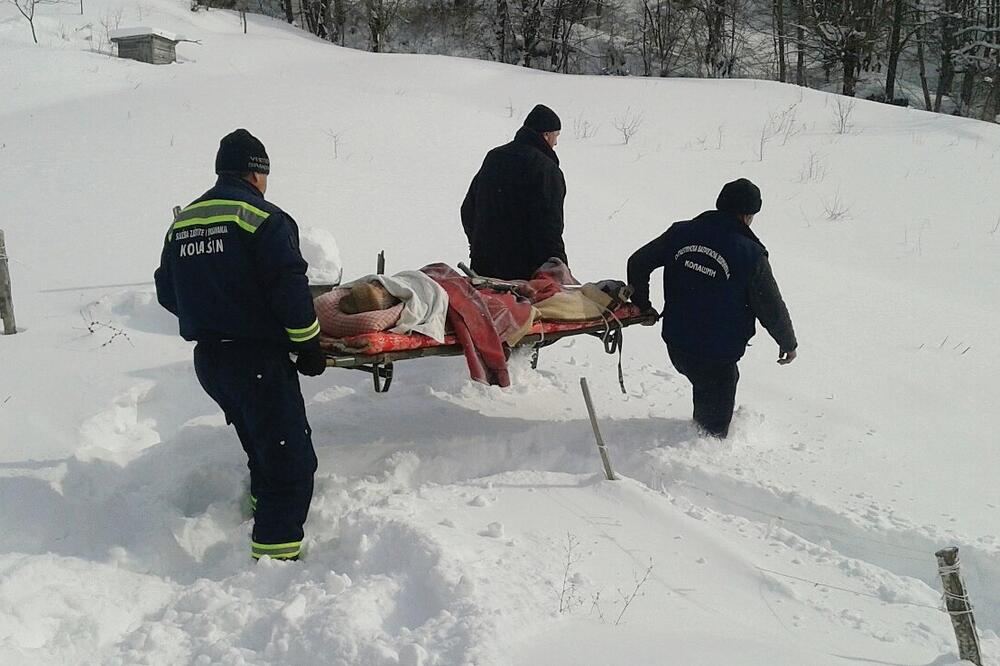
(366, 297)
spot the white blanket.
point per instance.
(425, 302)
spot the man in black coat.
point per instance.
(513, 213)
(717, 281)
(232, 272)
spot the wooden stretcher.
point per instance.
(380, 364)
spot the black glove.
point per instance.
(311, 361)
(653, 315)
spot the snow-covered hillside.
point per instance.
(460, 524)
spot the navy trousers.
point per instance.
(714, 388)
(258, 389)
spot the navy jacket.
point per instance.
(716, 282)
(513, 212)
(231, 270)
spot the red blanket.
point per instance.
(481, 321)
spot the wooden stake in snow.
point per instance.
(957, 602)
(6, 300)
(605, 458)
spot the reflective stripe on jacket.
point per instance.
(231, 269)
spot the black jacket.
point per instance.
(231, 270)
(513, 213)
(716, 281)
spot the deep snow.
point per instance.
(446, 512)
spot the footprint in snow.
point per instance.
(493, 530)
(413, 655)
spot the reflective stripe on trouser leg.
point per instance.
(284, 461)
(276, 551)
(258, 389)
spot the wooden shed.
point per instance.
(157, 47)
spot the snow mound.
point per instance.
(319, 248)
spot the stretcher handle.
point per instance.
(462, 266)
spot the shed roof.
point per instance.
(142, 31)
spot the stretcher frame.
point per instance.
(381, 365)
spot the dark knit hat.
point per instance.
(241, 152)
(740, 197)
(542, 119)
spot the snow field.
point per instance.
(452, 522)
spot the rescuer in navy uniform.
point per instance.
(232, 272)
(717, 281)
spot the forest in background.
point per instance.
(939, 55)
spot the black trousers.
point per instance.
(258, 389)
(714, 387)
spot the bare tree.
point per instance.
(111, 21)
(316, 15)
(613, 21)
(977, 57)
(715, 19)
(583, 128)
(895, 45)
(949, 28)
(338, 28)
(779, 123)
(27, 9)
(908, 24)
(835, 208)
(778, 18)
(965, 34)
(566, 16)
(724, 25)
(922, 61)
(569, 595)
(531, 21)
(663, 35)
(969, 54)
(842, 112)
(628, 597)
(502, 30)
(844, 31)
(380, 15)
(800, 40)
(628, 124)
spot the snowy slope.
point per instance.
(455, 523)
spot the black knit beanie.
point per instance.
(241, 152)
(740, 197)
(543, 119)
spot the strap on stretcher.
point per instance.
(611, 337)
(381, 376)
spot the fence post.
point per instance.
(6, 300)
(605, 458)
(957, 602)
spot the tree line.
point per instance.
(942, 55)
